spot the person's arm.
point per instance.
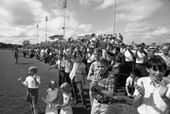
(84, 73)
(91, 72)
(94, 82)
(53, 66)
(111, 89)
(68, 57)
(126, 87)
(37, 80)
(164, 91)
(47, 102)
(139, 97)
(67, 101)
(24, 84)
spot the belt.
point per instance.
(103, 101)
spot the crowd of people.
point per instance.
(106, 63)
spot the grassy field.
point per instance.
(13, 95)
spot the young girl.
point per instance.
(52, 98)
(77, 76)
(66, 107)
(32, 83)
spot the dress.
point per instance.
(52, 94)
(66, 109)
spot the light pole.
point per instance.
(46, 19)
(64, 7)
(114, 17)
(37, 33)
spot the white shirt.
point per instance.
(128, 56)
(140, 57)
(30, 82)
(129, 81)
(152, 102)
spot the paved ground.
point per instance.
(13, 95)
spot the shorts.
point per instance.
(32, 94)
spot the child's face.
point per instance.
(31, 72)
(102, 68)
(157, 73)
(53, 86)
(132, 75)
(97, 55)
(78, 57)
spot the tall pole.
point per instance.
(37, 33)
(64, 7)
(114, 17)
(46, 19)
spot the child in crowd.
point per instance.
(60, 64)
(66, 107)
(32, 83)
(152, 93)
(77, 76)
(131, 81)
(53, 97)
(94, 68)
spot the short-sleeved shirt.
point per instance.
(129, 81)
(93, 69)
(30, 82)
(107, 81)
(152, 103)
(78, 71)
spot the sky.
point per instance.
(140, 21)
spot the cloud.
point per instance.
(20, 18)
(84, 2)
(85, 27)
(158, 32)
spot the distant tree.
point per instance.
(26, 43)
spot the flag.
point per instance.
(65, 4)
(46, 18)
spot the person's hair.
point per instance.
(132, 72)
(52, 82)
(65, 85)
(34, 69)
(117, 48)
(156, 61)
(105, 62)
(78, 52)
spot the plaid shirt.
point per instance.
(107, 82)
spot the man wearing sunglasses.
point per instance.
(152, 93)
